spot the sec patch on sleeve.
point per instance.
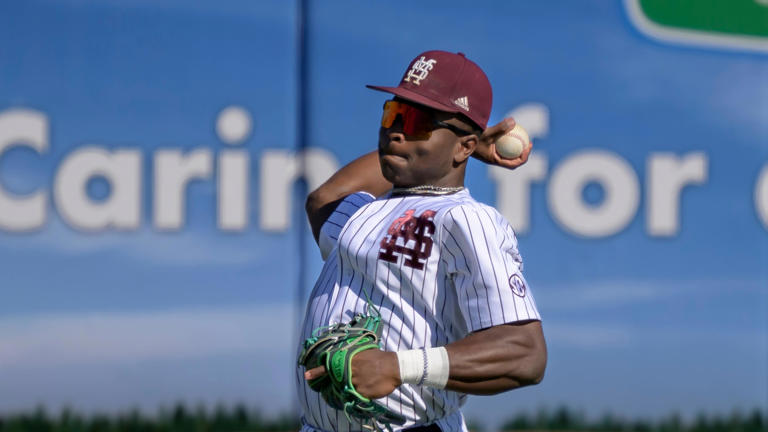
(517, 284)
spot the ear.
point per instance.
(465, 147)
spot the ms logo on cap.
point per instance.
(457, 86)
(420, 70)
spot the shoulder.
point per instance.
(331, 228)
(465, 210)
(473, 220)
(352, 203)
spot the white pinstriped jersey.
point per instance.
(437, 268)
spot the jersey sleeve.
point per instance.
(480, 252)
(329, 232)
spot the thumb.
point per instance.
(314, 373)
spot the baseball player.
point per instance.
(397, 227)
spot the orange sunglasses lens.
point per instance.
(416, 122)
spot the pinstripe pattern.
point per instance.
(471, 280)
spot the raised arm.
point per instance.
(362, 174)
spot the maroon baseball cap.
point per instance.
(446, 82)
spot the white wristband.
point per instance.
(411, 365)
(429, 367)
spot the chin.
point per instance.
(393, 174)
(388, 172)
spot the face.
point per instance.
(408, 160)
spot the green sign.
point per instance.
(739, 24)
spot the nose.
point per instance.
(396, 136)
(391, 139)
(395, 132)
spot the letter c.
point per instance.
(23, 127)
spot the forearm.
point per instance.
(362, 174)
(490, 361)
(497, 359)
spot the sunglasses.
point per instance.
(417, 122)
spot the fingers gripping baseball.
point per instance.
(486, 148)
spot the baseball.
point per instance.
(512, 143)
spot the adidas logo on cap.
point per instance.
(463, 103)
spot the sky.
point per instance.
(636, 324)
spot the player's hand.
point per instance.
(375, 373)
(486, 147)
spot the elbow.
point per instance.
(317, 203)
(319, 206)
(313, 203)
(531, 370)
(538, 362)
(319, 199)
(313, 207)
(536, 373)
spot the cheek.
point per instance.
(428, 166)
(437, 156)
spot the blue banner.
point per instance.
(149, 207)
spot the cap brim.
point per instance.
(415, 97)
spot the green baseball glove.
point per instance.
(334, 347)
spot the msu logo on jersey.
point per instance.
(409, 237)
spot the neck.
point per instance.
(426, 190)
(454, 179)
